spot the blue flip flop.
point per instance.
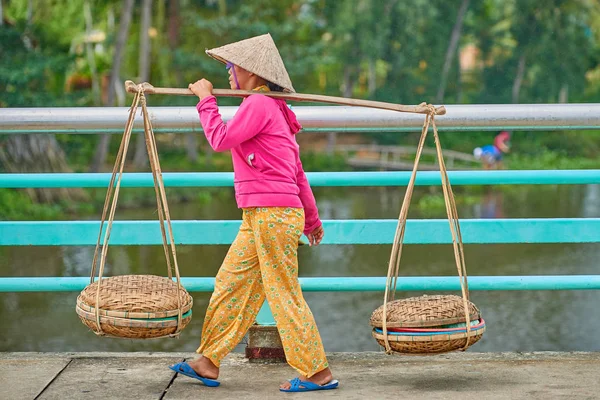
(306, 386)
(184, 368)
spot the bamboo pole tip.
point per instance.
(131, 87)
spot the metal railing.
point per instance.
(312, 118)
(342, 284)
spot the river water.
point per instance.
(517, 321)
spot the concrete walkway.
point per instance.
(143, 376)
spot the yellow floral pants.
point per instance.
(263, 262)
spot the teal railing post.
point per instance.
(265, 316)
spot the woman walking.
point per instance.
(277, 205)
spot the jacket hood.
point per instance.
(289, 115)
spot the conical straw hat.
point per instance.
(258, 55)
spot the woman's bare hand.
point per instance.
(201, 88)
(315, 237)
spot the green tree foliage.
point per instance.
(390, 50)
(39, 80)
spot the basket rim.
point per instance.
(133, 323)
(481, 322)
(429, 338)
(427, 323)
(430, 332)
(137, 314)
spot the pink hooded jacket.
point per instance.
(266, 162)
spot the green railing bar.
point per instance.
(360, 231)
(342, 284)
(225, 179)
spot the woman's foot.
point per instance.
(204, 367)
(320, 378)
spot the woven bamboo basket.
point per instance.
(135, 306)
(433, 314)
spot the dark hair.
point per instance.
(274, 87)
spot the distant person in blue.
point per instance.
(491, 155)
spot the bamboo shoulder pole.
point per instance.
(420, 109)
